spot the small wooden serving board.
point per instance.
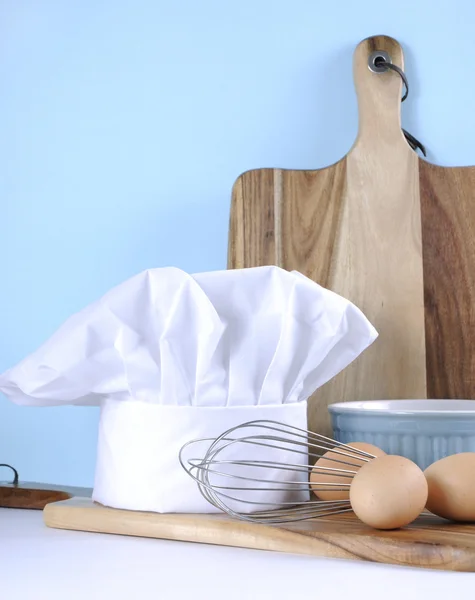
(36, 495)
(429, 542)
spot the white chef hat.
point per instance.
(171, 357)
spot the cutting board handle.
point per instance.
(379, 94)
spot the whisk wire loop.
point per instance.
(230, 481)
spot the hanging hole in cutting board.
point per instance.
(376, 58)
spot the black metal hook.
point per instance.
(16, 477)
(382, 63)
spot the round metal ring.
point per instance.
(373, 59)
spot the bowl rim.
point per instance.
(412, 407)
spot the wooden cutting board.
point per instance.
(36, 495)
(387, 230)
(21, 494)
(429, 542)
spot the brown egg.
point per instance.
(388, 492)
(339, 483)
(451, 484)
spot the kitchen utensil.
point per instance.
(36, 495)
(387, 492)
(428, 542)
(384, 228)
(21, 494)
(421, 430)
(231, 484)
(355, 228)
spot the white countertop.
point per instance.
(39, 563)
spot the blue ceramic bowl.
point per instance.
(422, 430)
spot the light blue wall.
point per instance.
(123, 124)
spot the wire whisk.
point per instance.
(259, 471)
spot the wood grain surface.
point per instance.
(36, 495)
(355, 228)
(429, 542)
(448, 233)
